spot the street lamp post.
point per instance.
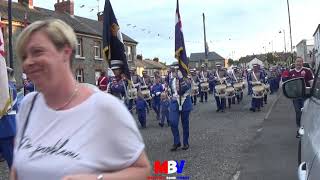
(284, 39)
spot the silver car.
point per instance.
(309, 145)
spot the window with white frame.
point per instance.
(79, 49)
(197, 65)
(80, 75)
(97, 50)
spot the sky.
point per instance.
(234, 28)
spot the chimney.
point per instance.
(100, 16)
(28, 3)
(64, 6)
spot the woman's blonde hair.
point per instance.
(58, 32)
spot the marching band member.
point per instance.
(203, 74)
(171, 76)
(273, 80)
(211, 82)
(180, 106)
(8, 123)
(267, 82)
(237, 77)
(220, 78)
(156, 91)
(117, 85)
(248, 72)
(146, 80)
(135, 80)
(256, 76)
(164, 108)
(103, 82)
(195, 83)
(141, 109)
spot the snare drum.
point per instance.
(238, 86)
(230, 91)
(145, 92)
(266, 88)
(195, 90)
(258, 91)
(132, 93)
(220, 89)
(204, 87)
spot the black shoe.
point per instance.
(252, 109)
(161, 125)
(259, 109)
(185, 147)
(218, 110)
(175, 147)
(222, 110)
(201, 101)
(265, 103)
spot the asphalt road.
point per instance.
(218, 141)
(273, 154)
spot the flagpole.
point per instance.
(10, 34)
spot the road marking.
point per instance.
(272, 105)
(236, 176)
(259, 130)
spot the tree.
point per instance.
(230, 62)
(139, 56)
(156, 59)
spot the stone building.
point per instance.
(196, 59)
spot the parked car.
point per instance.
(309, 144)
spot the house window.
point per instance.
(197, 65)
(80, 75)
(79, 50)
(97, 50)
(209, 64)
(129, 53)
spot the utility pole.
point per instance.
(205, 39)
(290, 29)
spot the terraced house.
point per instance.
(88, 62)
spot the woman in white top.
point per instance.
(66, 130)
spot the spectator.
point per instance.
(306, 73)
(68, 130)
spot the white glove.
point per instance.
(180, 74)
(152, 95)
(158, 93)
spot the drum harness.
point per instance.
(220, 80)
(183, 97)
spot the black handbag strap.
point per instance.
(27, 118)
